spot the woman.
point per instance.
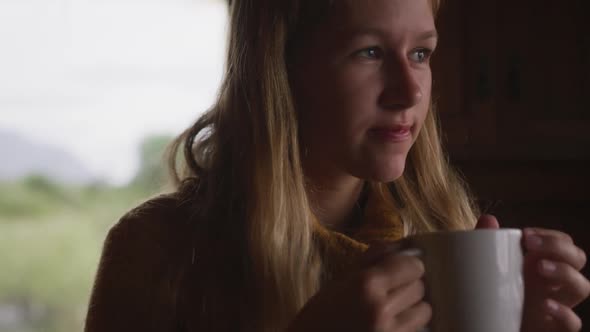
(322, 143)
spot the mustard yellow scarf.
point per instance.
(380, 222)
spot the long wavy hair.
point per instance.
(241, 168)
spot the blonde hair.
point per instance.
(241, 166)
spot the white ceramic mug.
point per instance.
(473, 279)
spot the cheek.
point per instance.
(336, 105)
(423, 108)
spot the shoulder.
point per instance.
(141, 267)
(153, 237)
(152, 222)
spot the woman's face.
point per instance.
(362, 87)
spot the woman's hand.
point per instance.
(386, 295)
(553, 282)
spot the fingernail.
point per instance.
(552, 306)
(528, 231)
(533, 242)
(411, 252)
(548, 267)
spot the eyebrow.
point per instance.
(428, 35)
(376, 31)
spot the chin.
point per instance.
(384, 172)
(389, 175)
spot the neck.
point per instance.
(333, 198)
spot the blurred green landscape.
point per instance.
(51, 237)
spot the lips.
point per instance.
(395, 133)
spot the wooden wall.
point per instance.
(512, 84)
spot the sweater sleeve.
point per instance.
(136, 286)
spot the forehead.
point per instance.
(382, 14)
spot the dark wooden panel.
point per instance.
(551, 194)
(514, 87)
(513, 79)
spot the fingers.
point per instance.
(414, 318)
(400, 304)
(487, 221)
(548, 232)
(392, 272)
(404, 297)
(564, 318)
(379, 250)
(554, 245)
(574, 287)
(391, 286)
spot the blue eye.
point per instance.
(370, 53)
(420, 55)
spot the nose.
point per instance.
(401, 88)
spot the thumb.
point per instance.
(487, 221)
(379, 249)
